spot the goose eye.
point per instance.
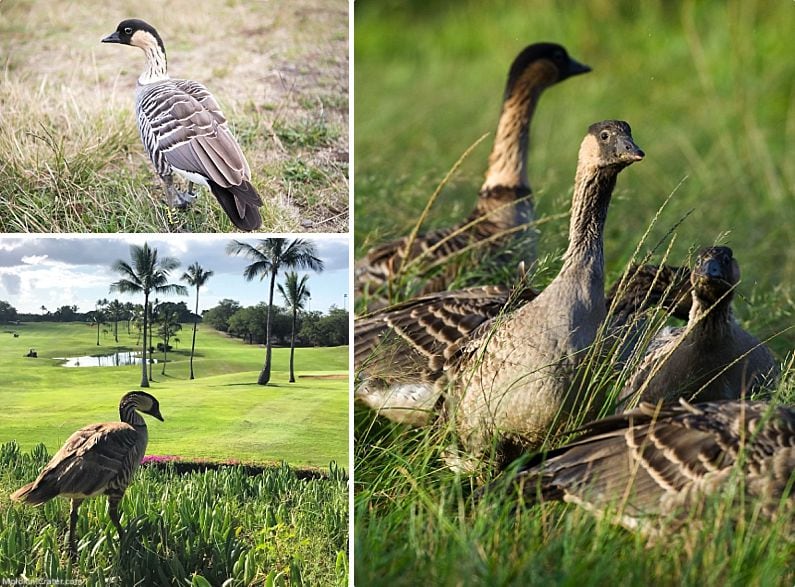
(127, 30)
(604, 135)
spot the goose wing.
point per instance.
(650, 462)
(90, 459)
(191, 132)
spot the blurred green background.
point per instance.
(708, 88)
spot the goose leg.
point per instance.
(113, 510)
(176, 198)
(73, 528)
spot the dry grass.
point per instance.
(72, 157)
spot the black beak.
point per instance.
(158, 416)
(629, 151)
(576, 68)
(112, 38)
(712, 269)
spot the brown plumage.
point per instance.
(712, 358)
(184, 131)
(510, 378)
(653, 468)
(98, 459)
(504, 202)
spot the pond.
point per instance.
(114, 360)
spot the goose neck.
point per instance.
(129, 415)
(156, 65)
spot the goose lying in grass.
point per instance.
(653, 468)
(400, 351)
(503, 203)
(513, 378)
(712, 358)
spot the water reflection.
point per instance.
(115, 360)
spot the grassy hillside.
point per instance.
(708, 88)
(220, 415)
(73, 160)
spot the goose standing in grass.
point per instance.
(712, 358)
(184, 131)
(504, 201)
(400, 352)
(655, 465)
(513, 378)
(98, 459)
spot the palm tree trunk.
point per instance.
(144, 381)
(116, 329)
(292, 346)
(195, 324)
(165, 350)
(265, 374)
(98, 324)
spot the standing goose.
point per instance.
(653, 465)
(511, 378)
(183, 130)
(504, 200)
(97, 459)
(712, 358)
(400, 352)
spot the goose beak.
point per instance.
(157, 415)
(629, 151)
(112, 38)
(576, 68)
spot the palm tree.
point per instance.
(296, 294)
(116, 311)
(196, 277)
(98, 315)
(146, 274)
(270, 255)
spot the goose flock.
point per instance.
(509, 369)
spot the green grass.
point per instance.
(73, 161)
(304, 423)
(708, 89)
(211, 528)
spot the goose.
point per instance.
(653, 468)
(408, 343)
(98, 459)
(712, 357)
(183, 130)
(504, 200)
(510, 378)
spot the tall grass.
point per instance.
(211, 528)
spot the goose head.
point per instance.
(609, 145)
(144, 403)
(715, 275)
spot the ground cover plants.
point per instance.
(246, 484)
(73, 160)
(708, 90)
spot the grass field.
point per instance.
(708, 89)
(73, 161)
(285, 525)
(222, 414)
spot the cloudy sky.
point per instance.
(56, 271)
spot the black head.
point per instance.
(144, 403)
(550, 54)
(134, 32)
(609, 144)
(715, 274)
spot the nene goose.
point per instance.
(512, 377)
(653, 468)
(712, 358)
(184, 131)
(97, 459)
(400, 351)
(504, 201)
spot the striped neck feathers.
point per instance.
(508, 159)
(156, 62)
(128, 415)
